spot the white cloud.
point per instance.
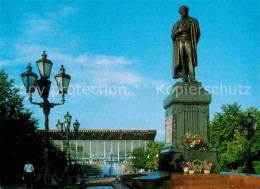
(67, 11)
(111, 60)
(88, 67)
(33, 51)
(84, 68)
(119, 76)
(4, 62)
(36, 26)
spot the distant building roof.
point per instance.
(103, 134)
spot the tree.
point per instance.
(19, 140)
(231, 144)
(146, 158)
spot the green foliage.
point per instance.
(255, 141)
(17, 131)
(240, 169)
(235, 154)
(257, 170)
(256, 165)
(146, 158)
(19, 140)
(225, 137)
(127, 167)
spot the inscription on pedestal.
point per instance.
(174, 130)
(171, 129)
(168, 133)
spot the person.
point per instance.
(28, 174)
(154, 167)
(185, 36)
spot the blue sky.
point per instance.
(127, 44)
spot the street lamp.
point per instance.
(44, 66)
(30, 81)
(62, 80)
(66, 130)
(59, 126)
(132, 163)
(76, 125)
(250, 129)
(68, 118)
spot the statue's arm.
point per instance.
(176, 32)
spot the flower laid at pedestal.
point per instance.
(207, 166)
(192, 169)
(185, 166)
(193, 142)
(198, 165)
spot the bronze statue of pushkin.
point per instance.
(185, 36)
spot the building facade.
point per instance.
(93, 146)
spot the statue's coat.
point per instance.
(195, 35)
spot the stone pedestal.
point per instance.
(187, 111)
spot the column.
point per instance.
(83, 151)
(125, 150)
(104, 149)
(97, 151)
(76, 151)
(118, 150)
(90, 151)
(61, 145)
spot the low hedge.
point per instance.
(257, 170)
(240, 169)
(256, 165)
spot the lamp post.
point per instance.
(43, 85)
(250, 129)
(156, 162)
(64, 128)
(75, 159)
(132, 163)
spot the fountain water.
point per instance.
(112, 167)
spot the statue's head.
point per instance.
(184, 11)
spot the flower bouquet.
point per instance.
(193, 142)
(207, 166)
(185, 166)
(192, 169)
(198, 165)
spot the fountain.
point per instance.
(112, 167)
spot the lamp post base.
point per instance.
(46, 180)
(43, 182)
